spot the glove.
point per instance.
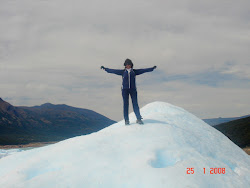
(102, 67)
(154, 67)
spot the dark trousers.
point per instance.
(133, 94)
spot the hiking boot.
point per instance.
(139, 121)
(126, 122)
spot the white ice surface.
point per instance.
(6, 152)
(154, 155)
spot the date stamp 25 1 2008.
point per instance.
(210, 171)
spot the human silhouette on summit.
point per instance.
(129, 87)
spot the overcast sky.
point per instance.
(52, 50)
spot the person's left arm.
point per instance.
(141, 71)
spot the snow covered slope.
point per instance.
(158, 154)
(6, 152)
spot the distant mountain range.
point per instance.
(217, 121)
(237, 130)
(48, 122)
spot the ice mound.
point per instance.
(171, 149)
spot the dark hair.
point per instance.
(128, 62)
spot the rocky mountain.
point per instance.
(48, 122)
(238, 131)
(217, 121)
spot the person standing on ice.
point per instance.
(129, 87)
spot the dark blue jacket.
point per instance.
(128, 82)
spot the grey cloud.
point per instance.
(55, 48)
(213, 78)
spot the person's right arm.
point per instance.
(114, 71)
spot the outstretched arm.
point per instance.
(141, 71)
(114, 71)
